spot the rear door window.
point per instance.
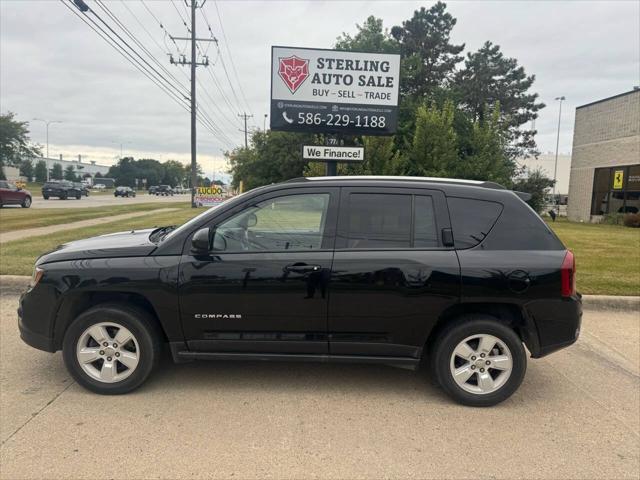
(471, 220)
(390, 220)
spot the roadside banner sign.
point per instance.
(332, 91)
(329, 153)
(210, 196)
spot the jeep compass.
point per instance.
(457, 275)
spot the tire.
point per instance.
(496, 383)
(46, 197)
(26, 203)
(78, 196)
(108, 375)
(63, 196)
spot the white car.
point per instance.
(99, 186)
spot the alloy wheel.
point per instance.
(481, 364)
(108, 352)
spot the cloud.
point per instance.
(53, 66)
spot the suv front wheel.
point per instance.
(479, 361)
(111, 349)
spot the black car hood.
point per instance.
(122, 244)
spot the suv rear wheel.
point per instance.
(111, 349)
(479, 361)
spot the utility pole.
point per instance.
(193, 63)
(555, 168)
(245, 116)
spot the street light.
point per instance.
(47, 123)
(555, 168)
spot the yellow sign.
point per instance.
(618, 179)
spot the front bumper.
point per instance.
(34, 321)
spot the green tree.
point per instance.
(26, 168)
(488, 79)
(40, 171)
(271, 157)
(434, 151)
(15, 143)
(174, 173)
(56, 171)
(486, 156)
(429, 57)
(370, 37)
(70, 174)
(536, 183)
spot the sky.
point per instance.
(54, 67)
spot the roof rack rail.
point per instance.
(455, 181)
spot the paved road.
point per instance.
(103, 200)
(575, 416)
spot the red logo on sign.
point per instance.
(293, 71)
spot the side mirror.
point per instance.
(252, 220)
(200, 242)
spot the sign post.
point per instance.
(336, 93)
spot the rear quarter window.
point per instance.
(472, 220)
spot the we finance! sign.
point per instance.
(331, 91)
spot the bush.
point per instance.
(612, 219)
(631, 220)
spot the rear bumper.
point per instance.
(557, 324)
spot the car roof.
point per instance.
(455, 186)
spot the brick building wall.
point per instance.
(606, 134)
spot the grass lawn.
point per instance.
(17, 258)
(20, 218)
(607, 256)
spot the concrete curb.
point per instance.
(589, 302)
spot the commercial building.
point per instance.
(605, 162)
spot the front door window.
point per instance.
(286, 223)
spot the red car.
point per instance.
(12, 195)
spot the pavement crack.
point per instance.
(37, 413)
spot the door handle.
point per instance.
(302, 268)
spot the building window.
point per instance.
(616, 190)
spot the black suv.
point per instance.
(62, 189)
(124, 192)
(84, 189)
(389, 270)
(164, 190)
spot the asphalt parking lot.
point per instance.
(103, 200)
(577, 415)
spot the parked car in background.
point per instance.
(458, 275)
(98, 186)
(152, 189)
(61, 189)
(82, 187)
(164, 190)
(10, 194)
(124, 192)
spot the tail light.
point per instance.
(568, 275)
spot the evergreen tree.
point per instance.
(536, 183)
(56, 172)
(70, 174)
(429, 58)
(40, 171)
(26, 169)
(490, 78)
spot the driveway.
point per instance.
(575, 416)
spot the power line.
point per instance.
(102, 33)
(228, 48)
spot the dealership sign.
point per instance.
(338, 154)
(331, 91)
